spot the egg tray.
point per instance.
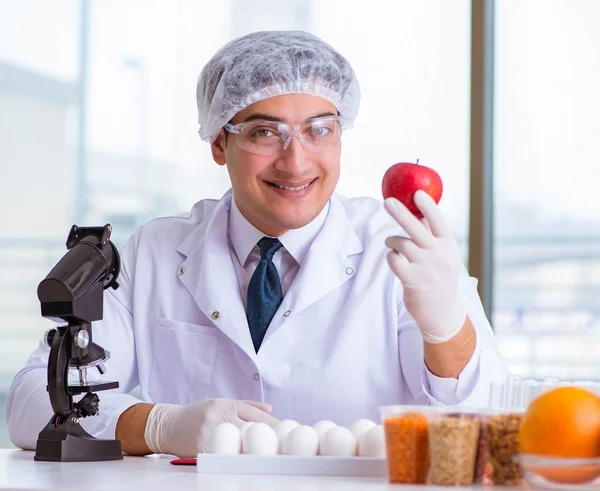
(318, 465)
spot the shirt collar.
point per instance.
(245, 236)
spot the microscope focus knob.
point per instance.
(82, 339)
(49, 337)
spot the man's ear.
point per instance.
(218, 149)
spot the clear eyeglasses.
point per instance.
(271, 137)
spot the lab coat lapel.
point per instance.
(209, 276)
(327, 264)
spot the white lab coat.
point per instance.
(340, 345)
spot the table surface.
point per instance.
(18, 470)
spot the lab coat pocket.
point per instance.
(183, 361)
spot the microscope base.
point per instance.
(71, 443)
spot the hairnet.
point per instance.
(270, 63)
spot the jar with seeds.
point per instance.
(406, 441)
(453, 446)
(502, 437)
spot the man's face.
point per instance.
(257, 180)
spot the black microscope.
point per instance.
(72, 295)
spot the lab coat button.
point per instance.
(256, 377)
(215, 315)
(349, 271)
(181, 271)
(286, 313)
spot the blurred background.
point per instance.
(98, 124)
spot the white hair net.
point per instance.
(271, 63)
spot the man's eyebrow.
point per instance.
(269, 117)
(264, 117)
(322, 115)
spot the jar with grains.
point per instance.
(502, 437)
(406, 442)
(453, 447)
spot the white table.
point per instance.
(18, 470)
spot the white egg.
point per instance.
(225, 438)
(302, 440)
(323, 427)
(245, 427)
(339, 442)
(360, 427)
(260, 439)
(283, 428)
(372, 443)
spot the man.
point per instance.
(276, 301)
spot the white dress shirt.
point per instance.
(245, 254)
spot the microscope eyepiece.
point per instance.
(73, 290)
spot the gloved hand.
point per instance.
(184, 431)
(428, 264)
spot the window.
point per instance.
(547, 225)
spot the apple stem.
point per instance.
(417, 161)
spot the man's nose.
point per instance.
(293, 158)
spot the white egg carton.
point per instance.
(318, 465)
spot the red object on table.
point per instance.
(183, 462)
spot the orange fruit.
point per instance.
(565, 423)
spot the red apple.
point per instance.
(402, 180)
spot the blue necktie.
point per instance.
(264, 292)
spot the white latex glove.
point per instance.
(184, 431)
(428, 264)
